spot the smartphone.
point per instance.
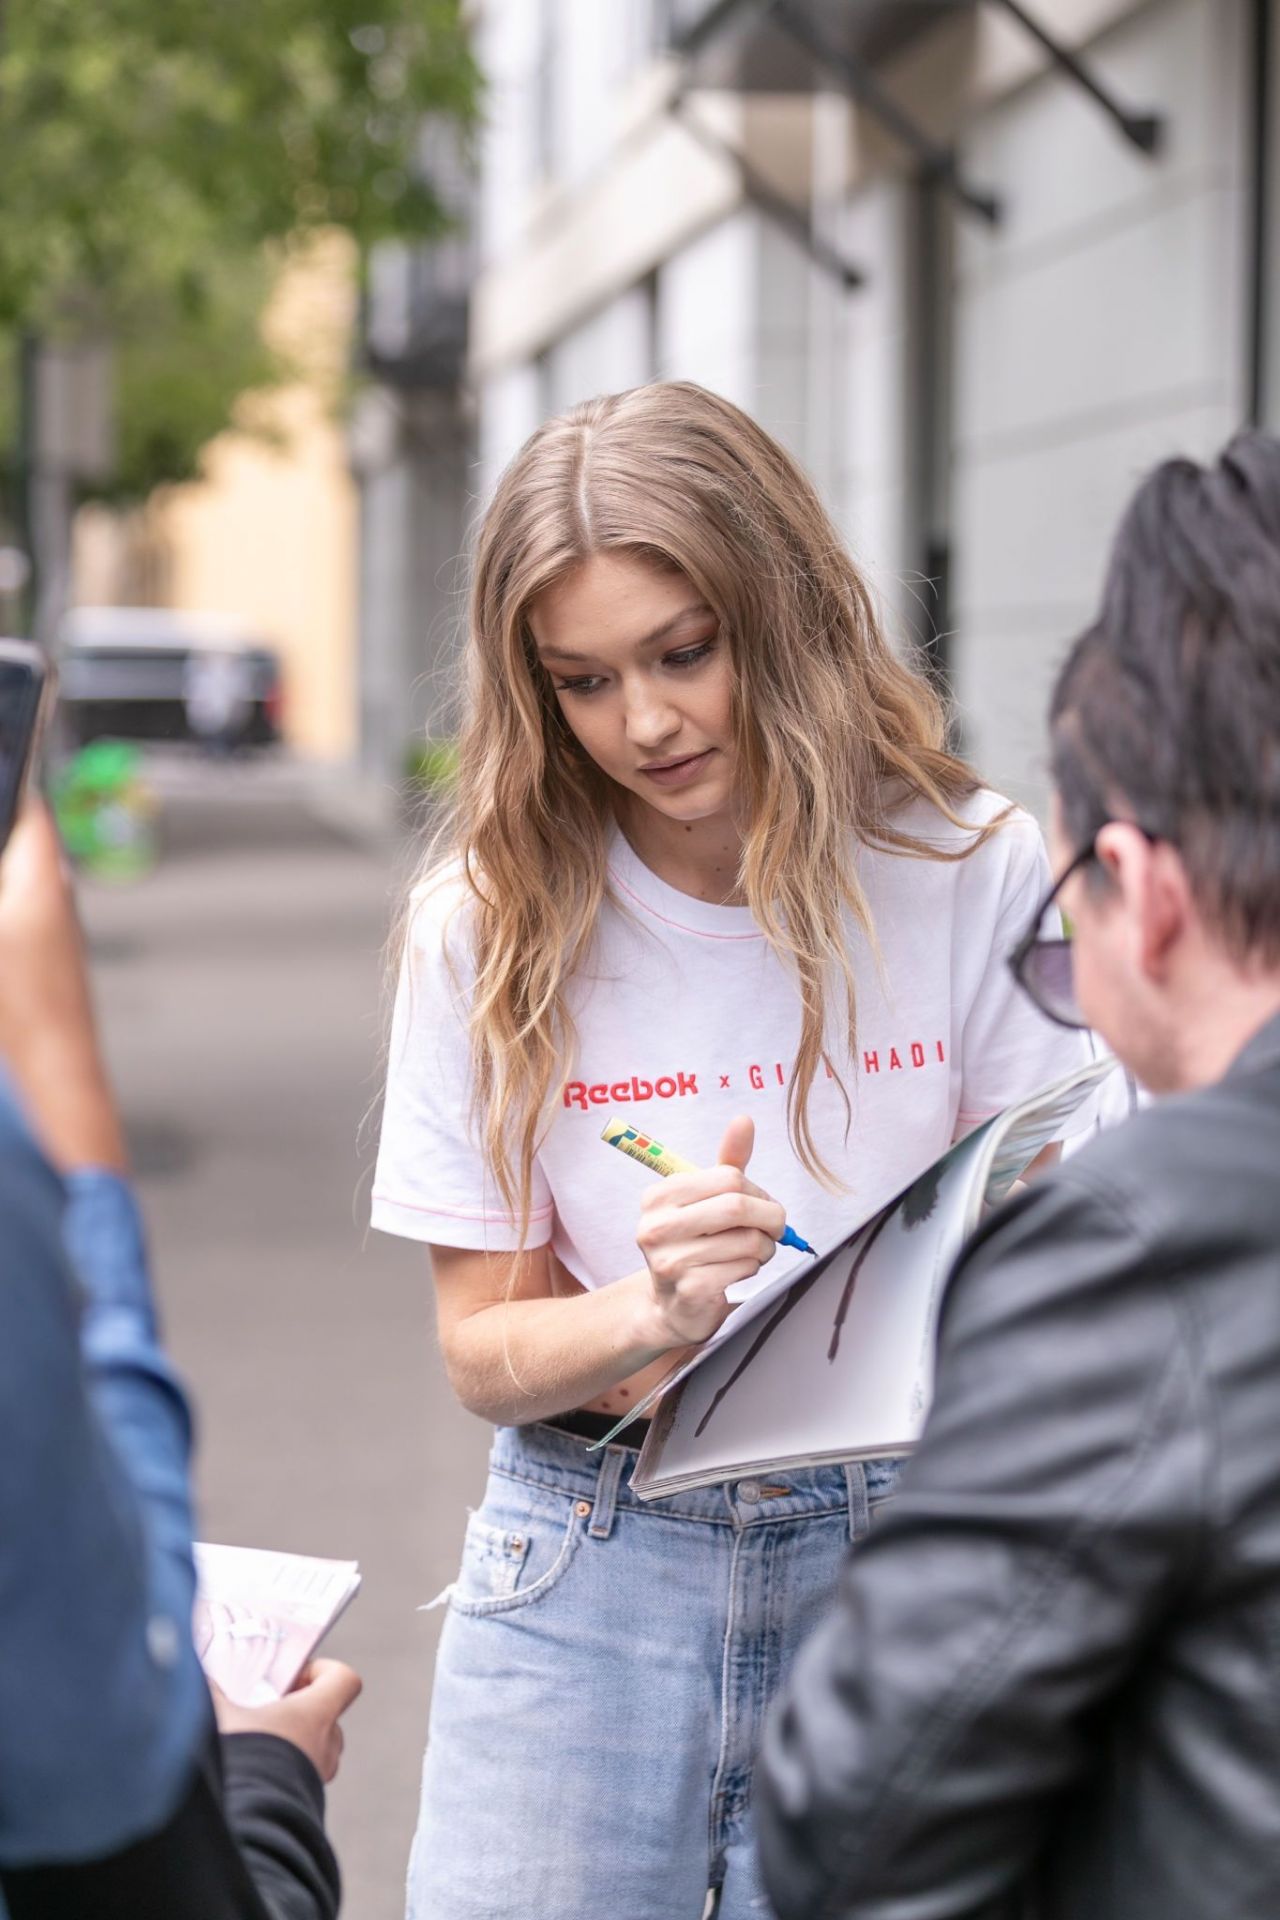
(24, 679)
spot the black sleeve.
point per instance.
(275, 1807)
(1055, 1505)
(262, 1856)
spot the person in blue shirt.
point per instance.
(93, 1602)
(114, 1790)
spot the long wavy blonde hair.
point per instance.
(832, 733)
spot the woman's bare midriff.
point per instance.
(628, 1392)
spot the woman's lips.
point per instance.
(679, 773)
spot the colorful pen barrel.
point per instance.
(650, 1153)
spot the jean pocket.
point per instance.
(504, 1567)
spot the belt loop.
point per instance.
(607, 1493)
(855, 1479)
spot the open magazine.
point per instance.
(260, 1616)
(834, 1361)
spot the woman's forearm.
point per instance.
(517, 1361)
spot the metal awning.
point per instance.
(801, 46)
(743, 47)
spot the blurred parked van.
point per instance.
(150, 673)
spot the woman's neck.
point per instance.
(697, 857)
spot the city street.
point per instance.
(241, 994)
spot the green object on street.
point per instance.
(106, 812)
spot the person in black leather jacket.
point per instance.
(1051, 1685)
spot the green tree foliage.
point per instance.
(180, 367)
(155, 152)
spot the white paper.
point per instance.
(837, 1363)
(843, 1366)
(259, 1616)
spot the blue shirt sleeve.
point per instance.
(102, 1704)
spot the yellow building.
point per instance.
(269, 534)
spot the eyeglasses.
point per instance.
(1042, 962)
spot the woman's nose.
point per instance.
(650, 719)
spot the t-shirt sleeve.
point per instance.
(1008, 1048)
(432, 1182)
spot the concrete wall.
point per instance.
(510, 409)
(612, 350)
(1099, 328)
(999, 389)
(414, 508)
(706, 319)
(586, 187)
(1270, 396)
(872, 487)
(728, 309)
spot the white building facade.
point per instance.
(789, 202)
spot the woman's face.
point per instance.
(642, 676)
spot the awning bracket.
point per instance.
(1142, 130)
(860, 83)
(762, 194)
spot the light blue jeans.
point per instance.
(602, 1677)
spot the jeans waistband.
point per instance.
(560, 1462)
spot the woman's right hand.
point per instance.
(701, 1232)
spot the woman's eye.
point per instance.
(689, 656)
(587, 684)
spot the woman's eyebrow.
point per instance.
(649, 639)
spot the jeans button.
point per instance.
(749, 1490)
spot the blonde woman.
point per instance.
(712, 866)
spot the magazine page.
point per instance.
(259, 1616)
(783, 1270)
(841, 1366)
(1018, 1135)
(1068, 1109)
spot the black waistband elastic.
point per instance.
(598, 1426)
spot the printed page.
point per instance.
(1014, 1137)
(842, 1366)
(785, 1270)
(259, 1616)
(1064, 1109)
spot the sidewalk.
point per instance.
(241, 991)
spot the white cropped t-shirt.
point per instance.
(686, 1017)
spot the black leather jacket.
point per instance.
(1051, 1685)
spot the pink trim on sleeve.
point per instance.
(455, 1213)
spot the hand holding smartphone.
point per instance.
(48, 1040)
(24, 681)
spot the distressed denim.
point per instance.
(602, 1678)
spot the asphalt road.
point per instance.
(240, 989)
